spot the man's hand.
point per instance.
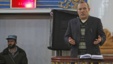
(71, 41)
(97, 41)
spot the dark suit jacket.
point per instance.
(2, 60)
(93, 29)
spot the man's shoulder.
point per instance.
(5, 51)
(73, 20)
(20, 49)
(93, 17)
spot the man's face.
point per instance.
(83, 11)
(11, 43)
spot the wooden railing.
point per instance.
(68, 60)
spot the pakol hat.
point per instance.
(11, 37)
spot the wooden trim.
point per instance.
(69, 59)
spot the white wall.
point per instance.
(32, 32)
(104, 10)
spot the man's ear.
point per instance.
(15, 41)
(89, 9)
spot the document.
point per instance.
(89, 56)
(97, 57)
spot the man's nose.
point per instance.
(82, 10)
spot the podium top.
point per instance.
(69, 59)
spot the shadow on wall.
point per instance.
(107, 47)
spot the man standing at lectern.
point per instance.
(85, 33)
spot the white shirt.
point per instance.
(83, 21)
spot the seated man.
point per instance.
(13, 54)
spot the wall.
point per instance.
(103, 9)
(33, 33)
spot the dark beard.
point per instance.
(11, 46)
